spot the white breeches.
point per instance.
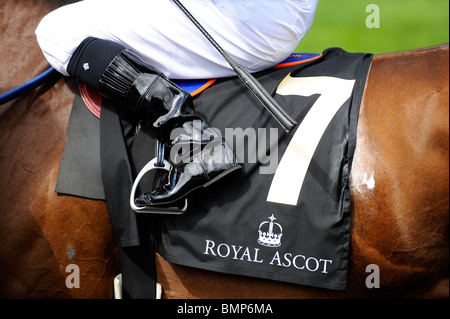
(256, 33)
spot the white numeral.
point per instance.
(334, 92)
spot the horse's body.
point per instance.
(399, 184)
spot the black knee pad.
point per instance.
(91, 58)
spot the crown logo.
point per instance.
(267, 236)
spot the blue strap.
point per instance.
(187, 85)
(28, 86)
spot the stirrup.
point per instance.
(153, 164)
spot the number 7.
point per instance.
(290, 174)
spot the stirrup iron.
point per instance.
(152, 165)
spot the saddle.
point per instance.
(92, 98)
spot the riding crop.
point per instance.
(255, 87)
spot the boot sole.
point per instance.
(215, 179)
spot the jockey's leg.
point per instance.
(256, 34)
(119, 74)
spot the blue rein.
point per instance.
(28, 86)
(187, 85)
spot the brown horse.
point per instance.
(42, 233)
(400, 185)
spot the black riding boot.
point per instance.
(199, 157)
(147, 93)
(205, 157)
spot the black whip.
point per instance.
(255, 87)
